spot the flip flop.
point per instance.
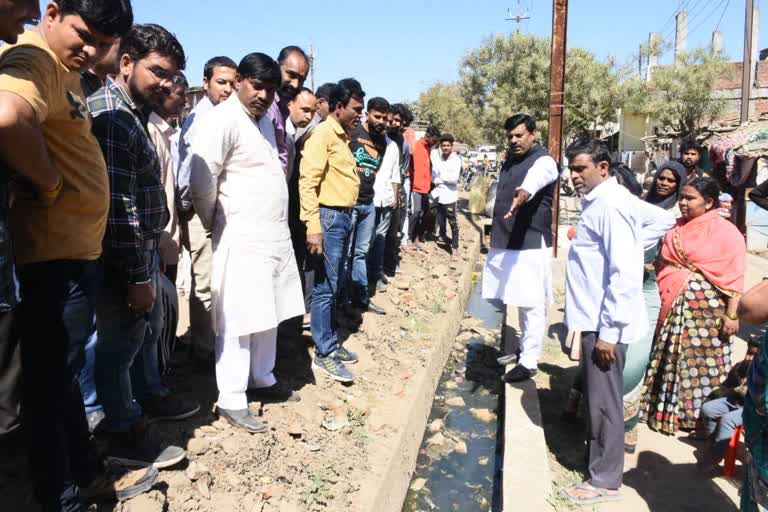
(601, 495)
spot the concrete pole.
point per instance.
(557, 100)
(755, 35)
(717, 43)
(653, 59)
(681, 35)
(746, 75)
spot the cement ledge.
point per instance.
(386, 488)
(526, 476)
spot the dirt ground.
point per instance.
(318, 451)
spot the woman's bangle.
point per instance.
(732, 316)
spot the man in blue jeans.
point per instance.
(369, 144)
(328, 187)
(57, 222)
(128, 316)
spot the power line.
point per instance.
(722, 15)
(708, 17)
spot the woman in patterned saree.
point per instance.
(701, 277)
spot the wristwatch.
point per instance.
(732, 316)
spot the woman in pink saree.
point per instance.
(701, 277)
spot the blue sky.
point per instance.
(397, 48)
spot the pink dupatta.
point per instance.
(708, 244)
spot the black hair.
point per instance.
(184, 81)
(379, 105)
(305, 90)
(707, 187)
(626, 177)
(324, 91)
(596, 150)
(344, 91)
(518, 119)
(690, 144)
(405, 113)
(261, 67)
(216, 62)
(288, 50)
(432, 131)
(446, 137)
(110, 17)
(142, 40)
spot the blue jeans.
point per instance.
(329, 268)
(87, 376)
(376, 259)
(355, 286)
(721, 416)
(127, 366)
(55, 320)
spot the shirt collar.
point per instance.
(118, 90)
(160, 123)
(337, 127)
(601, 189)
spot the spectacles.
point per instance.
(163, 75)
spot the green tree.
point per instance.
(681, 98)
(506, 75)
(443, 106)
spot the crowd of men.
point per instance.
(289, 206)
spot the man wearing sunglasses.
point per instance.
(128, 318)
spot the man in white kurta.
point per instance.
(518, 268)
(238, 188)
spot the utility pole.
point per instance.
(312, 66)
(519, 17)
(557, 101)
(746, 72)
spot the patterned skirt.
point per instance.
(688, 359)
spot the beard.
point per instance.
(145, 98)
(378, 129)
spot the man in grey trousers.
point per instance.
(604, 299)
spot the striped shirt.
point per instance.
(138, 209)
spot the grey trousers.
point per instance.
(604, 390)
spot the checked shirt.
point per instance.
(138, 208)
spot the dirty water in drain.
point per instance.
(459, 462)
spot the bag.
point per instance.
(490, 199)
(477, 195)
(170, 304)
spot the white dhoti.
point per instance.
(522, 279)
(256, 288)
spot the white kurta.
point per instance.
(523, 278)
(239, 191)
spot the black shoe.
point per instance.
(168, 408)
(373, 308)
(243, 419)
(281, 392)
(384, 278)
(117, 482)
(138, 448)
(518, 374)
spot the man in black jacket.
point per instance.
(518, 269)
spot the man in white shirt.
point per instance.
(386, 195)
(604, 301)
(518, 269)
(446, 168)
(161, 132)
(218, 82)
(238, 189)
